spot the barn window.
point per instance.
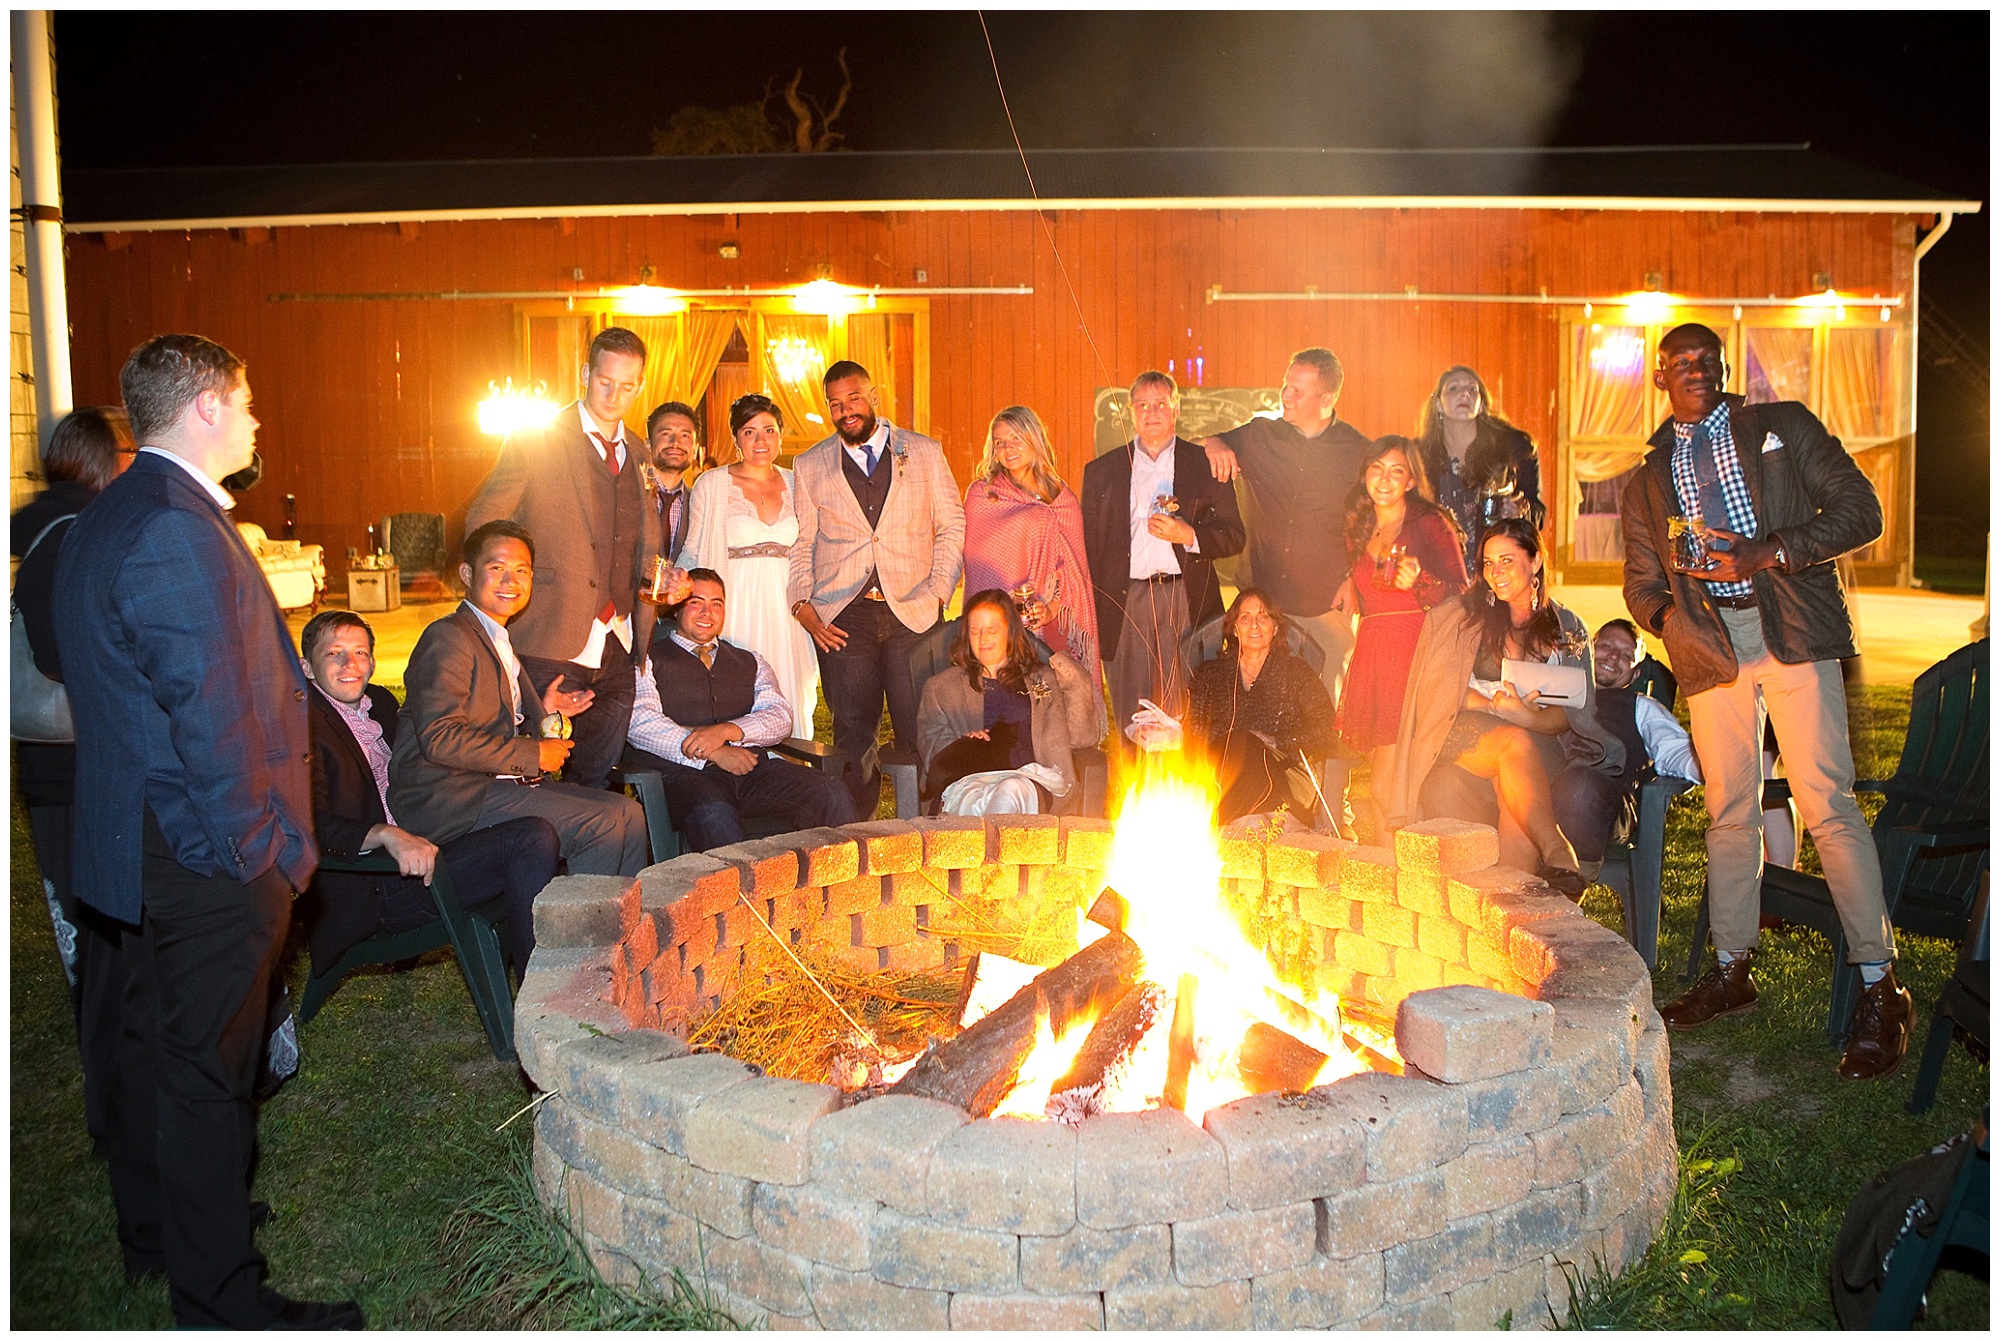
(1849, 367)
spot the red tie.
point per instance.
(610, 450)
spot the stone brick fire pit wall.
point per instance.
(1532, 1133)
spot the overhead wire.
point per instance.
(1103, 370)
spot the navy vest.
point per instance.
(694, 695)
(870, 491)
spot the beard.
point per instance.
(866, 431)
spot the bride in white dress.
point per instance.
(742, 526)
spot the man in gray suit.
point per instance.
(881, 536)
(576, 484)
(472, 751)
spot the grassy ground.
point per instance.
(393, 1187)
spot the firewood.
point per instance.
(1106, 1055)
(1271, 1059)
(1110, 911)
(1180, 1045)
(990, 979)
(978, 1068)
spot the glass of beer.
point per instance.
(1690, 541)
(659, 581)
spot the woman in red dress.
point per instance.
(1406, 556)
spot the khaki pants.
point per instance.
(1808, 710)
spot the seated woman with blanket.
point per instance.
(1461, 717)
(997, 728)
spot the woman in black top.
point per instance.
(86, 452)
(1481, 467)
(1261, 713)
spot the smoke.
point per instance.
(1270, 80)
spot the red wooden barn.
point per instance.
(378, 305)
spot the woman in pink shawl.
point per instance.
(1024, 535)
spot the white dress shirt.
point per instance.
(593, 648)
(1670, 747)
(768, 721)
(221, 495)
(1152, 479)
(496, 632)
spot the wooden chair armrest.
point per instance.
(1965, 833)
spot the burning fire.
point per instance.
(1167, 864)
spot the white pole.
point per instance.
(41, 208)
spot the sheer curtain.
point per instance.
(868, 345)
(681, 355)
(1608, 388)
(1780, 359)
(1858, 379)
(790, 356)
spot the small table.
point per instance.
(375, 589)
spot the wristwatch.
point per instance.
(1778, 555)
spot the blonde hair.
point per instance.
(1028, 424)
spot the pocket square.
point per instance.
(1772, 442)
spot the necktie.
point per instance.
(870, 450)
(1708, 484)
(610, 449)
(707, 654)
(609, 610)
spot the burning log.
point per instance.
(1106, 1055)
(978, 1068)
(1271, 1059)
(1180, 1045)
(990, 981)
(1110, 911)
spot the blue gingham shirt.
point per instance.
(1728, 471)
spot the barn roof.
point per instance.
(1785, 178)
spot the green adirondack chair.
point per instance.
(471, 937)
(1932, 832)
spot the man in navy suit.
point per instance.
(192, 748)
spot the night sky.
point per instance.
(1907, 93)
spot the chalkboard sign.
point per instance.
(1204, 411)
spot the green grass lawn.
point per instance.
(392, 1185)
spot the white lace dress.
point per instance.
(758, 567)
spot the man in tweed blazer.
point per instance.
(575, 485)
(194, 827)
(881, 537)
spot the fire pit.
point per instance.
(1529, 1134)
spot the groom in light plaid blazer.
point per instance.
(881, 537)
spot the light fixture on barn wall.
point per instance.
(508, 409)
(647, 299)
(825, 297)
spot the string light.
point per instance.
(507, 410)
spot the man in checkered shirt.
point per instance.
(1744, 594)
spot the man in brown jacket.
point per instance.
(574, 484)
(1754, 623)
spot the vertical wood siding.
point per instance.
(370, 407)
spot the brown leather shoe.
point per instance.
(1879, 1033)
(1725, 989)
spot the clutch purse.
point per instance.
(1561, 686)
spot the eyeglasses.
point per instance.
(1151, 406)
